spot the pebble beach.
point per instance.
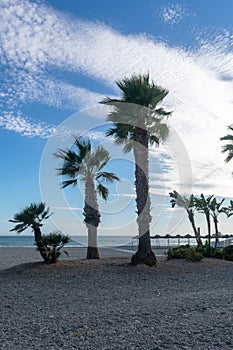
(109, 304)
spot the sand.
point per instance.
(109, 304)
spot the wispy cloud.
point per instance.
(24, 126)
(38, 45)
(67, 208)
(173, 13)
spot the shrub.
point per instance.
(209, 251)
(184, 252)
(227, 253)
(51, 244)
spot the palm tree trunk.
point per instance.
(92, 249)
(40, 247)
(209, 230)
(144, 254)
(216, 235)
(92, 218)
(195, 230)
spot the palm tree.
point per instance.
(190, 206)
(53, 243)
(32, 216)
(203, 206)
(87, 166)
(228, 147)
(137, 123)
(216, 209)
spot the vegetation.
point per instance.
(32, 216)
(137, 123)
(210, 207)
(189, 205)
(227, 253)
(216, 209)
(202, 205)
(228, 148)
(184, 252)
(87, 165)
(52, 245)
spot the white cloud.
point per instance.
(173, 13)
(25, 126)
(38, 44)
(67, 208)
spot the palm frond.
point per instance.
(32, 215)
(137, 108)
(107, 177)
(162, 93)
(103, 191)
(66, 183)
(98, 159)
(83, 145)
(162, 112)
(228, 148)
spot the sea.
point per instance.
(81, 241)
(76, 241)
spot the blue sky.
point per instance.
(59, 58)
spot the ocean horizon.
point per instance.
(18, 241)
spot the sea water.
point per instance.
(76, 241)
(81, 241)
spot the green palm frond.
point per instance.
(66, 183)
(32, 215)
(137, 108)
(107, 177)
(228, 147)
(161, 112)
(19, 227)
(84, 146)
(181, 201)
(98, 159)
(74, 162)
(162, 93)
(86, 165)
(103, 191)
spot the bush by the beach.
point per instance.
(227, 253)
(184, 252)
(50, 245)
(209, 251)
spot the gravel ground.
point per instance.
(109, 304)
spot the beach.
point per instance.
(109, 304)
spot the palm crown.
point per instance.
(141, 111)
(31, 216)
(228, 147)
(85, 164)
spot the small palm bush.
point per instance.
(184, 252)
(51, 246)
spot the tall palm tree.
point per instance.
(229, 146)
(137, 123)
(190, 206)
(87, 166)
(32, 216)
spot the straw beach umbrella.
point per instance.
(188, 236)
(168, 239)
(178, 237)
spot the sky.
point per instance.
(59, 58)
